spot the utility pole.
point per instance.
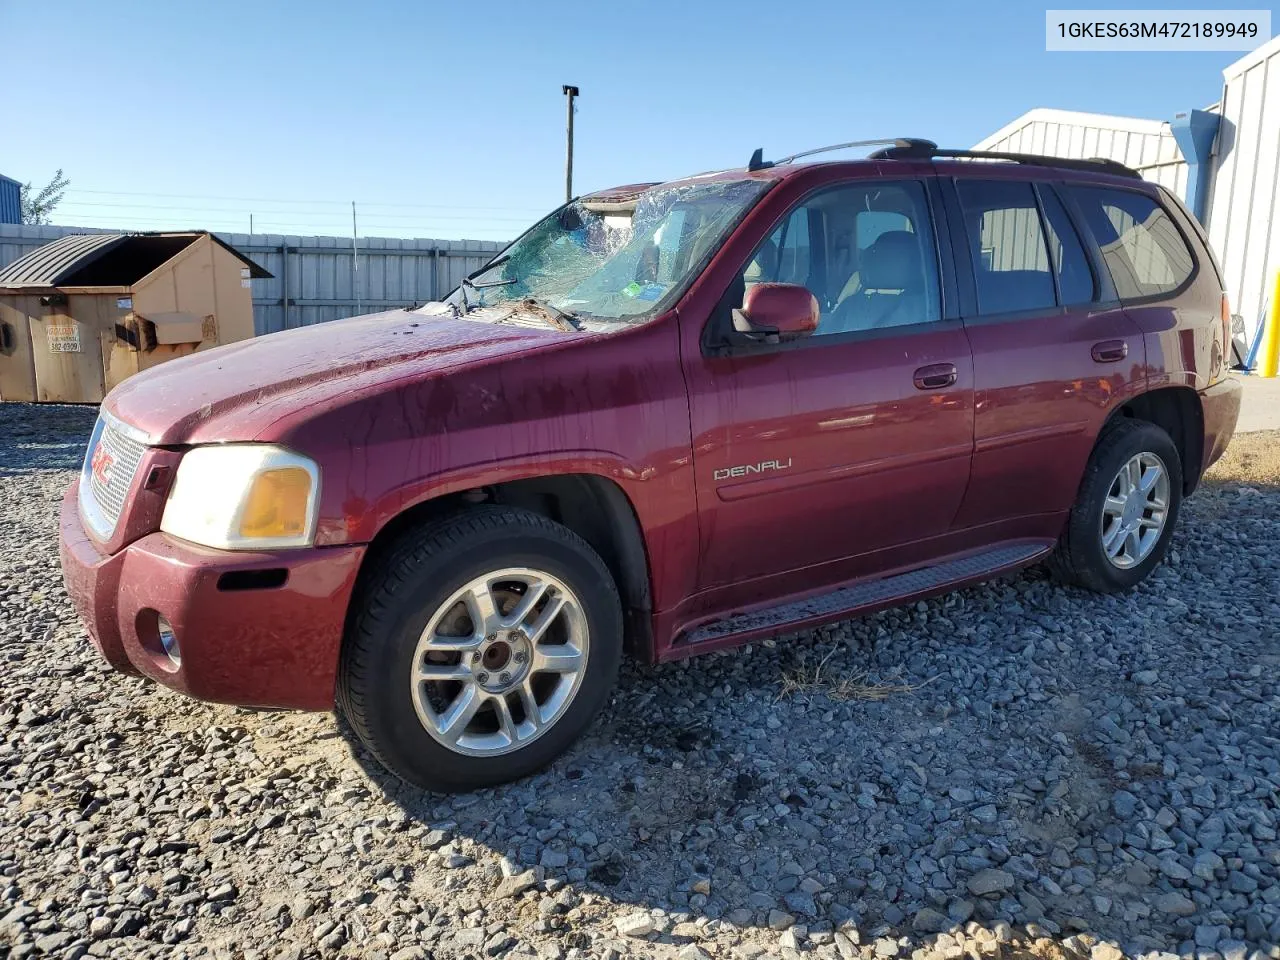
(570, 92)
(355, 260)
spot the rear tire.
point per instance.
(1124, 517)
(482, 646)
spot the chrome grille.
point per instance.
(115, 450)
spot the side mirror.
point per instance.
(773, 312)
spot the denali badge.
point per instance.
(747, 469)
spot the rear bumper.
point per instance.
(265, 647)
(1221, 406)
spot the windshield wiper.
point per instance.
(488, 283)
(477, 287)
(469, 280)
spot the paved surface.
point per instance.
(1260, 408)
(1011, 771)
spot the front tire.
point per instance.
(1123, 520)
(482, 647)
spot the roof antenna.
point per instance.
(757, 161)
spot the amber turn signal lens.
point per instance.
(277, 504)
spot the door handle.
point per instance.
(935, 376)
(1110, 351)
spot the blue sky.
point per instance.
(446, 119)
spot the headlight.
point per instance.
(243, 496)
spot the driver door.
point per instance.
(814, 456)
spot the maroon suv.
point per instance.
(669, 418)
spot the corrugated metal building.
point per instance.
(1244, 181)
(1223, 161)
(10, 200)
(1146, 145)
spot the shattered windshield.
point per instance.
(613, 261)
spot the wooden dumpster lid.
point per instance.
(57, 264)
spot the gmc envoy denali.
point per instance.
(669, 418)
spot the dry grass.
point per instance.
(1251, 458)
(801, 681)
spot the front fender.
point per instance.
(362, 520)
(611, 406)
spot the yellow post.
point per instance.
(1271, 336)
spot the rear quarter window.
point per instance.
(1144, 250)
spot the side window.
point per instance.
(793, 251)
(866, 252)
(784, 257)
(1010, 258)
(1142, 247)
(1075, 279)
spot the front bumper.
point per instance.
(265, 646)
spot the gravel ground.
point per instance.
(1013, 770)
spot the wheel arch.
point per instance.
(1177, 411)
(593, 506)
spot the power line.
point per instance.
(341, 203)
(236, 225)
(200, 211)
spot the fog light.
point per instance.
(169, 640)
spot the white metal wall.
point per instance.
(1243, 201)
(1145, 145)
(317, 273)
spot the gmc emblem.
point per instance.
(100, 465)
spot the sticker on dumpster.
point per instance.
(124, 303)
(64, 338)
(244, 273)
(246, 283)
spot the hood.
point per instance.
(235, 392)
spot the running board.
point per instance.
(886, 591)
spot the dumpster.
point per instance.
(82, 313)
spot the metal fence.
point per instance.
(314, 278)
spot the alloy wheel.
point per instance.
(1135, 510)
(499, 662)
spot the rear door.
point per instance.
(850, 440)
(1174, 299)
(1053, 350)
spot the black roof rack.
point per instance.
(917, 150)
(758, 162)
(914, 148)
